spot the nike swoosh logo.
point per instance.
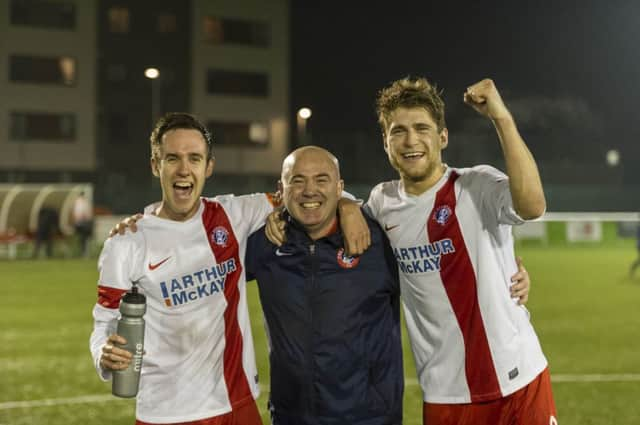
(387, 227)
(155, 266)
(282, 254)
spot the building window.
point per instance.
(237, 83)
(166, 23)
(239, 133)
(43, 14)
(234, 31)
(118, 17)
(47, 70)
(42, 127)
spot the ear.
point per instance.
(340, 187)
(155, 167)
(280, 186)
(210, 166)
(444, 138)
(385, 144)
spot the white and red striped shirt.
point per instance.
(199, 360)
(471, 342)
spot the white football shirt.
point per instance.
(471, 342)
(199, 359)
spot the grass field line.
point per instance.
(613, 377)
(95, 398)
(559, 377)
(101, 398)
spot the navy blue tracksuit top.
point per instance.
(334, 328)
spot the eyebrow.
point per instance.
(414, 125)
(315, 176)
(188, 154)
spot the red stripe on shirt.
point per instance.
(110, 297)
(215, 217)
(460, 284)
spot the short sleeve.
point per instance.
(492, 188)
(250, 209)
(373, 204)
(120, 260)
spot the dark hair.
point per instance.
(410, 93)
(178, 120)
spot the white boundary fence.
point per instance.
(580, 226)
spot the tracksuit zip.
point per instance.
(312, 252)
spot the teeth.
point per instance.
(412, 155)
(310, 204)
(182, 185)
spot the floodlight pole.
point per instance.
(153, 74)
(301, 124)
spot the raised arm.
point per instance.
(524, 179)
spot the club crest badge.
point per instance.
(345, 261)
(442, 214)
(220, 236)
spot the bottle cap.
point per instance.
(134, 297)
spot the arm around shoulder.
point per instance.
(357, 236)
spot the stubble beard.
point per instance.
(417, 175)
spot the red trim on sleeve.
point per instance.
(110, 297)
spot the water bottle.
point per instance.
(131, 327)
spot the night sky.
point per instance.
(568, 70)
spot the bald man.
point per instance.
(333, 320)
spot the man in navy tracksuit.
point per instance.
(333, 320)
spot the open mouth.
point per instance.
(183, 189)
(412, 155)
(310, 205)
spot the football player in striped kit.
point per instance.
(478, 358)
(187, 258)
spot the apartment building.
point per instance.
(78, 106)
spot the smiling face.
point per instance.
(414, 146)
(311, 187)
(182, 167)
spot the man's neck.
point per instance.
(417, 188)
(163, 212)
(326, 230)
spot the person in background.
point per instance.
(45, 231)
(82, 216)
(636, 263)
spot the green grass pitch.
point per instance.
(584, 307)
